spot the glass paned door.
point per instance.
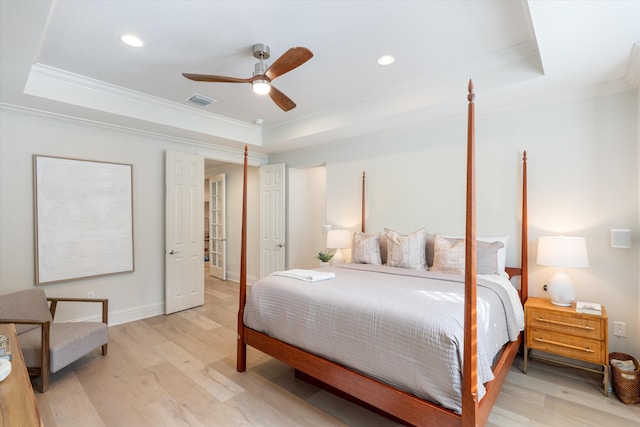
(217, 230)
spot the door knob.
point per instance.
(280, 245)
(171, 252)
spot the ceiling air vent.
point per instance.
(200, 100)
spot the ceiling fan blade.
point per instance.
(281, 100)
(293, 58)
(211, 78)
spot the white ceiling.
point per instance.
(66, 57)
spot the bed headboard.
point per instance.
(523, 270)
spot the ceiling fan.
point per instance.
(263, 76)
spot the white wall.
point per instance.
(582, 175)
(131, 295)
(307, 212)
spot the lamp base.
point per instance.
(561, 289)
(338, 257)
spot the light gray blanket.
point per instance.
(403, 327)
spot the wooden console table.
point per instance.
(17, 401)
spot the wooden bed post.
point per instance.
(241, 360)
(470, 367)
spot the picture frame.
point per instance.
(83, 218)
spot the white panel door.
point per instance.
(217, 227)
(184, 235)
(272, 219)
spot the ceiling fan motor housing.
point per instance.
(261, 51)
(260, 69)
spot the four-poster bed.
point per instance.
(475, 400)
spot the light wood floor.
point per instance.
(179, 370)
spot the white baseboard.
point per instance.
(126, 315)
(235, 277)
(135, 313)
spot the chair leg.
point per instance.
(44, 381)
(104, 349)
(45, 356)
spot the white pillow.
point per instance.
(406, 251)
(502, 252)
(366, 248)
(449, 256)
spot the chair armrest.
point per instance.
(45, 326)
(45, 348)
(104, 301)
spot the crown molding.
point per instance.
(208, 150)
(52, 83)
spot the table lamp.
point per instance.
(338, 239)
(562, 252)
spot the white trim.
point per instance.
(209, 150)
(127, 315)
(60, 85)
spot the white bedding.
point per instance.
(400, 326)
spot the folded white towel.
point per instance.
(623, 365)
(306, 275)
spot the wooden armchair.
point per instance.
(48, 347)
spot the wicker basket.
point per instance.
(626, 384)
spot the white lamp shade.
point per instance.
(338, 239)
(563, 252)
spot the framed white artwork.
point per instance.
(83, 218)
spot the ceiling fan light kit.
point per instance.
(263, 75)
(261, 87)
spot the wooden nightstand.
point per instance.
(564, 332)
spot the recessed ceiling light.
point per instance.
(386, 60)
(132, 40)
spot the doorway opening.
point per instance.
(229, 194)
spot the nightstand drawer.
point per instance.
(582, 326)
(586, 349)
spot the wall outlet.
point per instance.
(620, 329)
(91, 294)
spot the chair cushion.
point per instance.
(30, 304)
(68, 343)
